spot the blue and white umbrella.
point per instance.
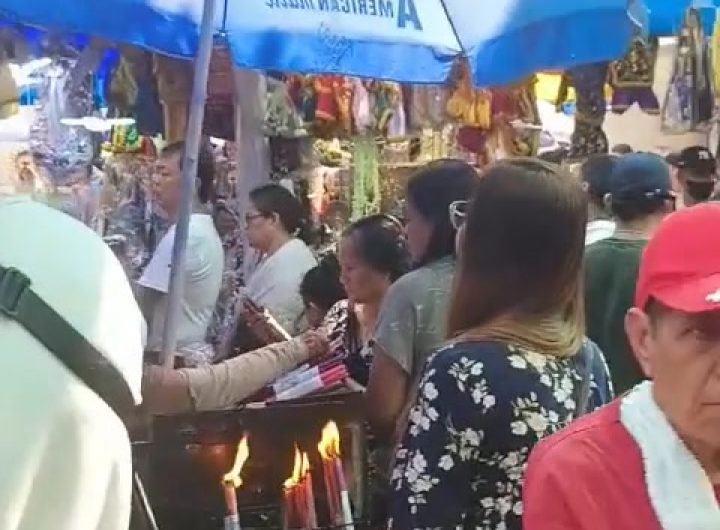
(402, 40)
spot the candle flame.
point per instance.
(297, 472)
(305, 467)
(329, 445)
(243, 453)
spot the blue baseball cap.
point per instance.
(640, 176)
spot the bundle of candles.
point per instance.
(298, 494)
(308, 379)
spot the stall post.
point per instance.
(189, 170)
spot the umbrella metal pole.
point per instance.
(189, 171)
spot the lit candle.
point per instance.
(231, 481)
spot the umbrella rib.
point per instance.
(454, 29)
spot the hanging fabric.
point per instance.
(588, 137)
(688, 101)
(366, 178)
(632, 78)
(174, 80)
(220, 104)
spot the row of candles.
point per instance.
(298, 494)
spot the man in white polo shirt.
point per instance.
(203, 267)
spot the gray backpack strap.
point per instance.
(588, 353)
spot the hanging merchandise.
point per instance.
(715, 55)
(632, 78)
(333, 105)
(426, 104)
(471, 108)
(122, 92)
(60, 149)
(282, 117)
(588, 137)
(174, 82)
(219, 119)
(9, 95)
(386, 105)
(361, 107)
(515, 113)
(146, 109)
(302, 92)
(688, 102)
(366, 178)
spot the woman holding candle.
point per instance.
(518, 366)
(373, 254)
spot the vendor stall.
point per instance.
(341, 131)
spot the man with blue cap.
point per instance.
(639, 196)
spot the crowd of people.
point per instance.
(492, 328)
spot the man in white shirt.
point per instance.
(203, 267)
(65, 461)
(595, 174)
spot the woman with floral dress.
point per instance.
(517, 367)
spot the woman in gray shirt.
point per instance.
(411, 323)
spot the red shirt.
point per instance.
(589, 476)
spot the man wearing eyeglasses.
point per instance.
(639, 196)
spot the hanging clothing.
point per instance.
(689, 101)
(588, 137)
(220, 103)
(632, 78)
(174, 81)
(275, 284)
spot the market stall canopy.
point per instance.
(665, 16)
(401, 40)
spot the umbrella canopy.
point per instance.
(665, 17)
(402, 40)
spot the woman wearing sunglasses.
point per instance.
(517, 367)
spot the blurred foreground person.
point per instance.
(518, 366)
(65, 461)
(651, 459)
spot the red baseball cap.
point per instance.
(680, 266)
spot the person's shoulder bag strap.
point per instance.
(588, 352)
(20, 303)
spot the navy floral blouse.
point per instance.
(481, 407)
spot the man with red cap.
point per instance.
(651, 459)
